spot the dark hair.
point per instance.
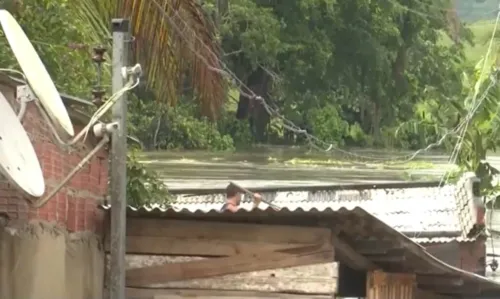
(232, 190)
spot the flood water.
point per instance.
(266, 166)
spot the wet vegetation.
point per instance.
(386, 74)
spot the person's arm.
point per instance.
(257, 198)
(232, 208)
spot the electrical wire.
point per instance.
(420, 13)
(248, 93)
(477, 87)
(70, 45)
(14, 71)
(131, 84)
(100, 112)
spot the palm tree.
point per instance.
(171, 39)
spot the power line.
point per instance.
(287, 124)
(458, 147)
(69, 45)
(248, 93)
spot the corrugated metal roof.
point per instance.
(424, 211)
(411, 210)
(391, 219)
(355, 224)
(442, 240)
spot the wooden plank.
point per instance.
(241, 263)
(263, 284)
(373, 246)
(421, 294)
(227, 231)
(135, 293)
(302, 279)
(390, 285)
(195, 247)
(346, 254)
(317, 278)
(439, 280)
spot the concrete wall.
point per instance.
(53, 252)
(42, 261)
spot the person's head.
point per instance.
(233, 193)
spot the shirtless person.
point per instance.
(233, 199)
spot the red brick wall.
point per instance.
(74, 206)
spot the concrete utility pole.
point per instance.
(118, 185)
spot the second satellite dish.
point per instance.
(18, 160)
(35, 72)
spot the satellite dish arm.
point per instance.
(44, 200)
(101, 111)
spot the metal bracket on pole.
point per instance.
(118, 183)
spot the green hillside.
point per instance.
(482, 31)
(476, 10)
(479, 16)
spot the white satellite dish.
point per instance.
(18, 160)
(35, 72)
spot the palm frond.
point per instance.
(170, 38)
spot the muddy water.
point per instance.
(280, 166)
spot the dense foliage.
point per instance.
(388, 73)
(64, 46)
(349, 72)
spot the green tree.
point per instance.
(171, 39)
(470, 121)
(65, 52)
(373, 60)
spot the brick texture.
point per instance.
(75, 205)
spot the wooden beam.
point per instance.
(196, 247)
(387, 259)
(423, 294)
(240, 263)
(374, 246)
(392, 256)
(347, 254)
(438, 280)
(227, 231)
(136, 293)
(464, 290)
(319, 278)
